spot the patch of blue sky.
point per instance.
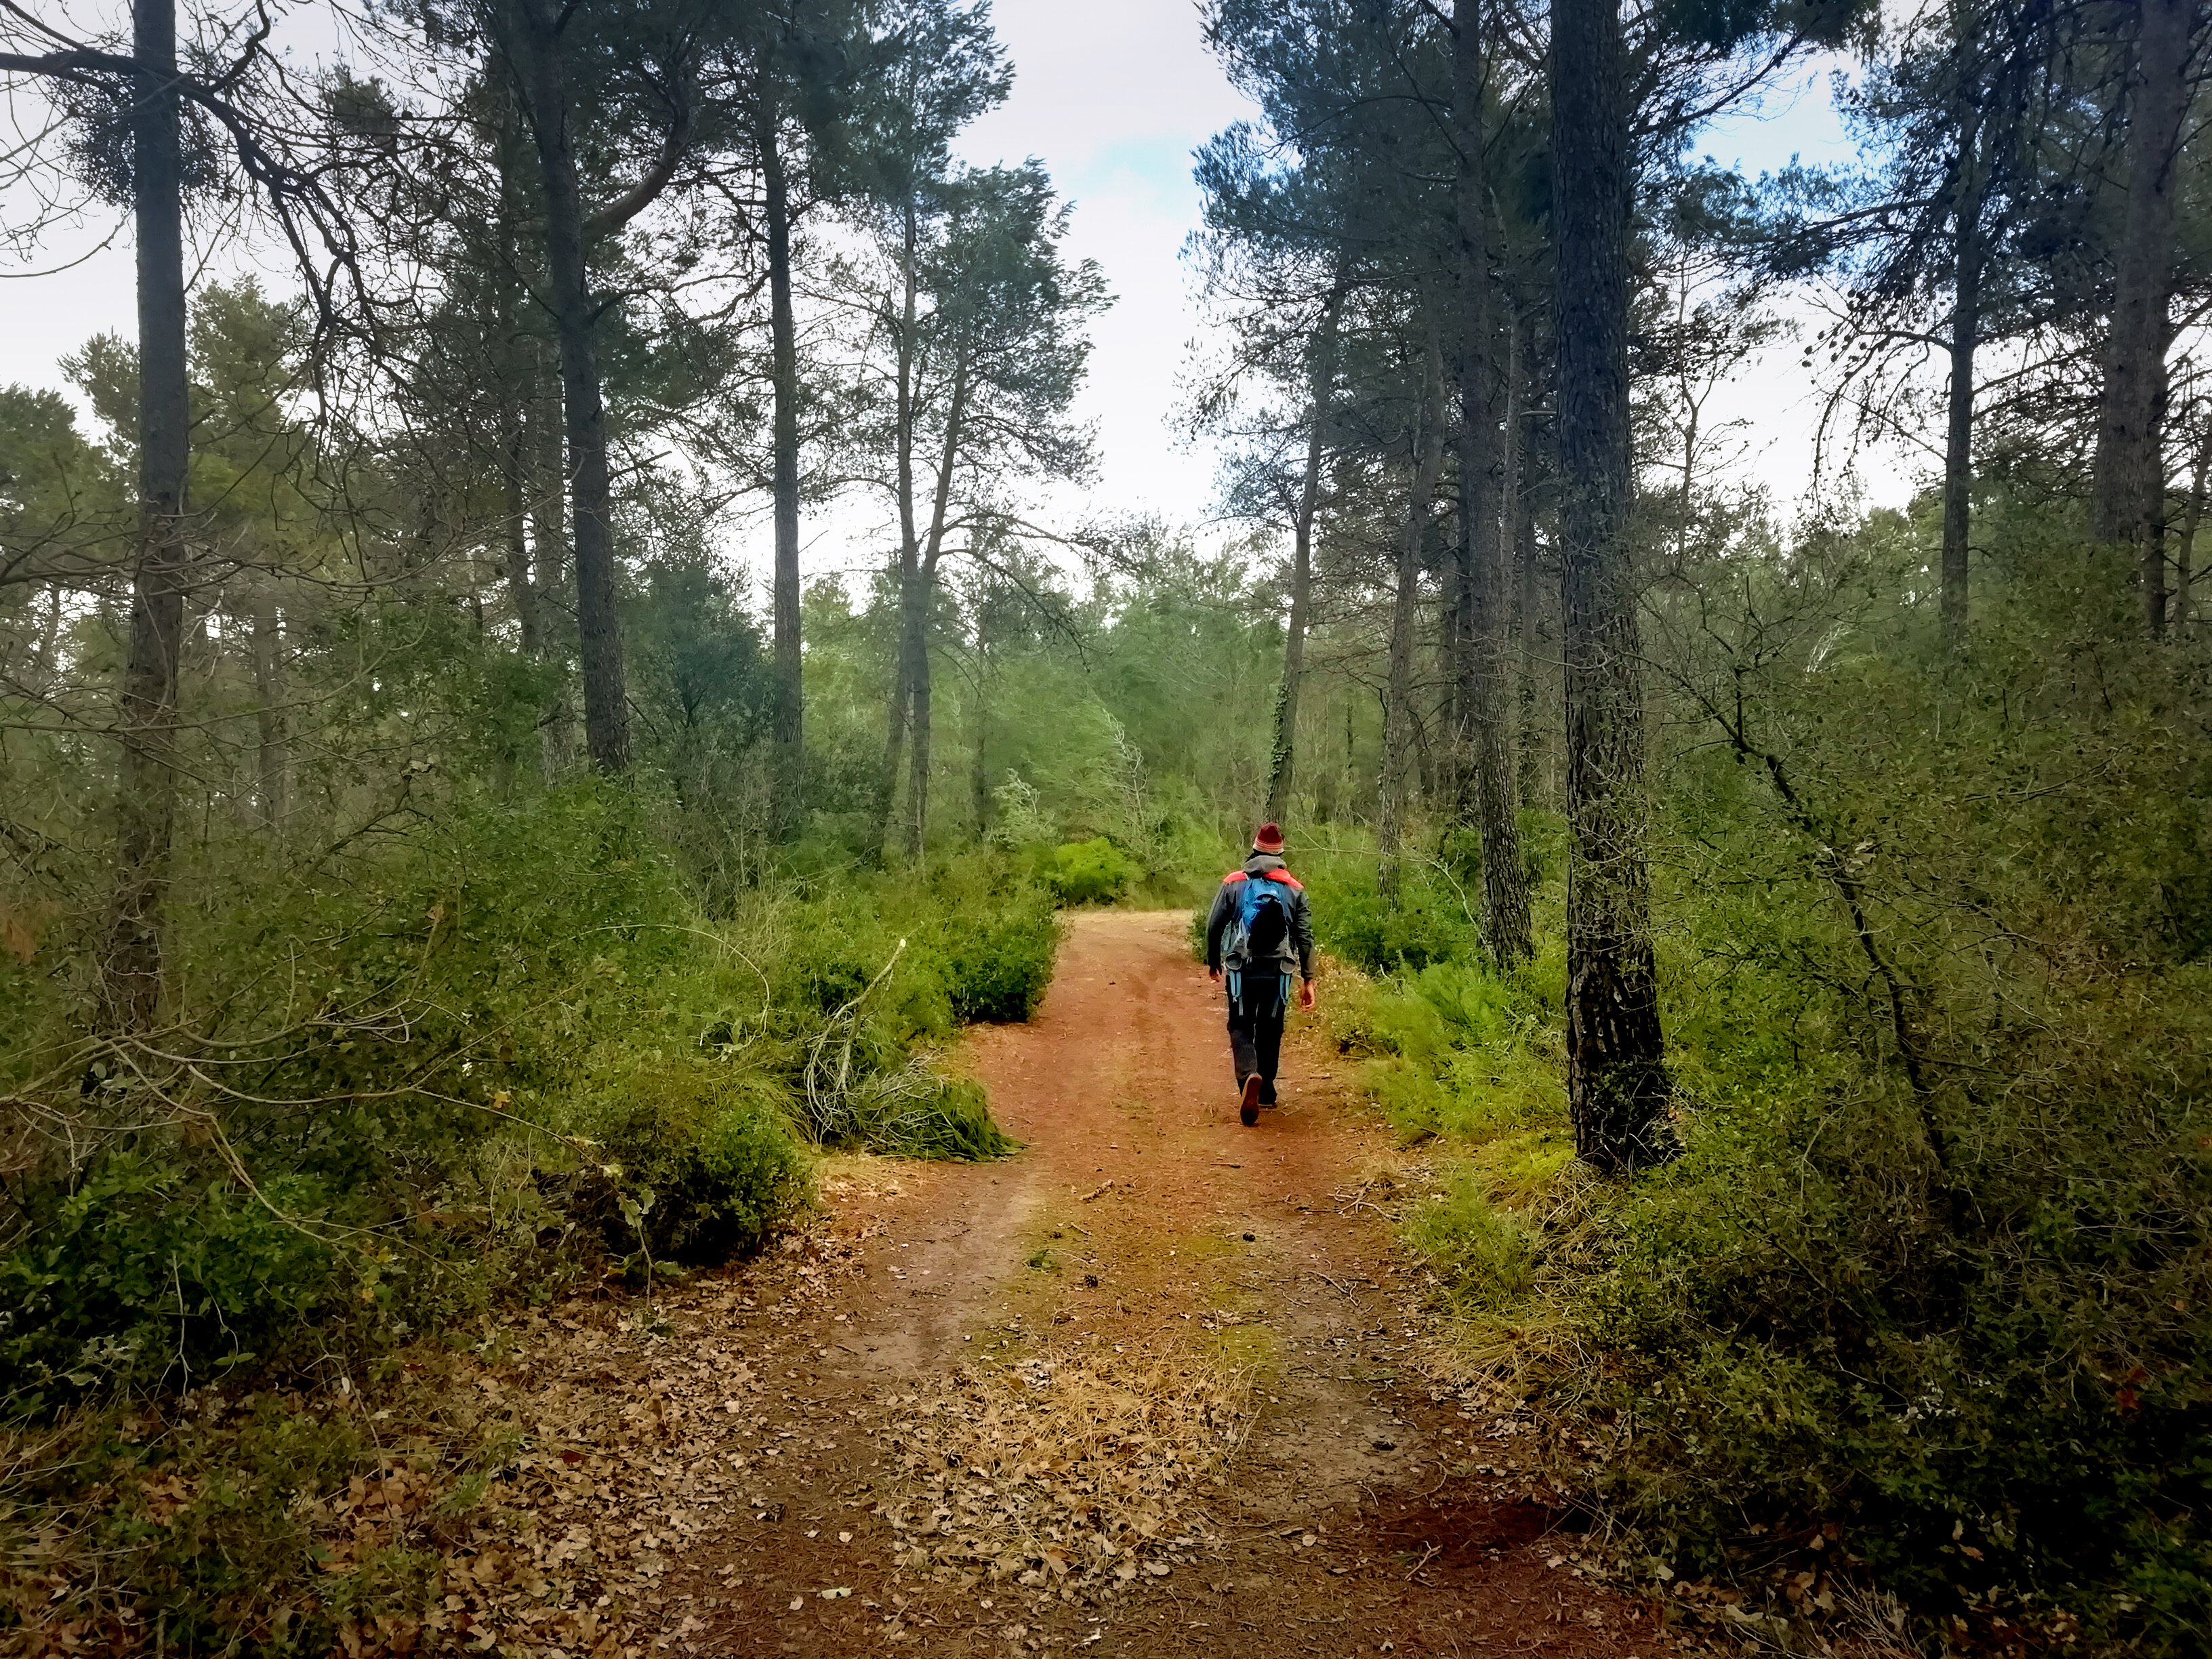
(1796, 120)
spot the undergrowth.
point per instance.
(1923, 1300)
(504, 1060)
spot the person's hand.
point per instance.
(1214, 974)
(1306, 997)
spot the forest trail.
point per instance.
(773, 1474)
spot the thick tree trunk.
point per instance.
(131, 962)
(1428, 457)
(2129, 483)
(535, 45)
(1321, 374)
(790, 681)
(1484, 526)
(1616, 1075)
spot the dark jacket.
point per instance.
(1296, 954)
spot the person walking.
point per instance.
(1259, 934)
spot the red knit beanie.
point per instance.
(1269, 840)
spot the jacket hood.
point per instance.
(1262, 863)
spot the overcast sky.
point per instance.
(1112, 95)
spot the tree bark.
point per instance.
(790, 680)
(918, 675)
(535, 49)
(1616, 1077)
(2184, 554)
(1428, 458)
(1320, 374)
(1483, 526)
(910, 623)
(1528, 611)
(546, 478)
(272, 757)
(979, 781)
(2129, 480)
(131, 960)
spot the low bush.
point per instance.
(1989, 1377)
(700, 1165)
(1094, 872)
(998, 961)
(152, 1269)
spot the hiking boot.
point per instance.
(1247, 1108)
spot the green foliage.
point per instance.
(1485, 1256)
(206, 1543)
(997, 966)
(1094, 872)
(701, 1164)
(1456, 1052)
(145, 1270)
(1426, 920)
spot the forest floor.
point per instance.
(1159, 1385)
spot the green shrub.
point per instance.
(1093, 871)
(1427, 921)
(1811, 1321)
(1455, 1051)
(140, 1270)
(706, 1166)
(997, 966)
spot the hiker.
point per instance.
(1259, 934)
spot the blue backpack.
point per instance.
(1263, 918)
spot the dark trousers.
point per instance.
(1257, 1003)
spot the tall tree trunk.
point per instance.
(918, 679)
(790, 680)
(918, 710)
(979, 783)
(1616, 1076)
(2184, 554)
(546, 478)
(536, 48)
(513, 355)
(1528, 604)
(131, 962)
(514, 497)
(1320, 375)
(2128, 482)
(1428, 458)
(273, 756)
(910, 621)
(1484, 526)
(1959, 440)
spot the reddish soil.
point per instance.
(1370, 1506)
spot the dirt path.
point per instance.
(1151, 1387)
